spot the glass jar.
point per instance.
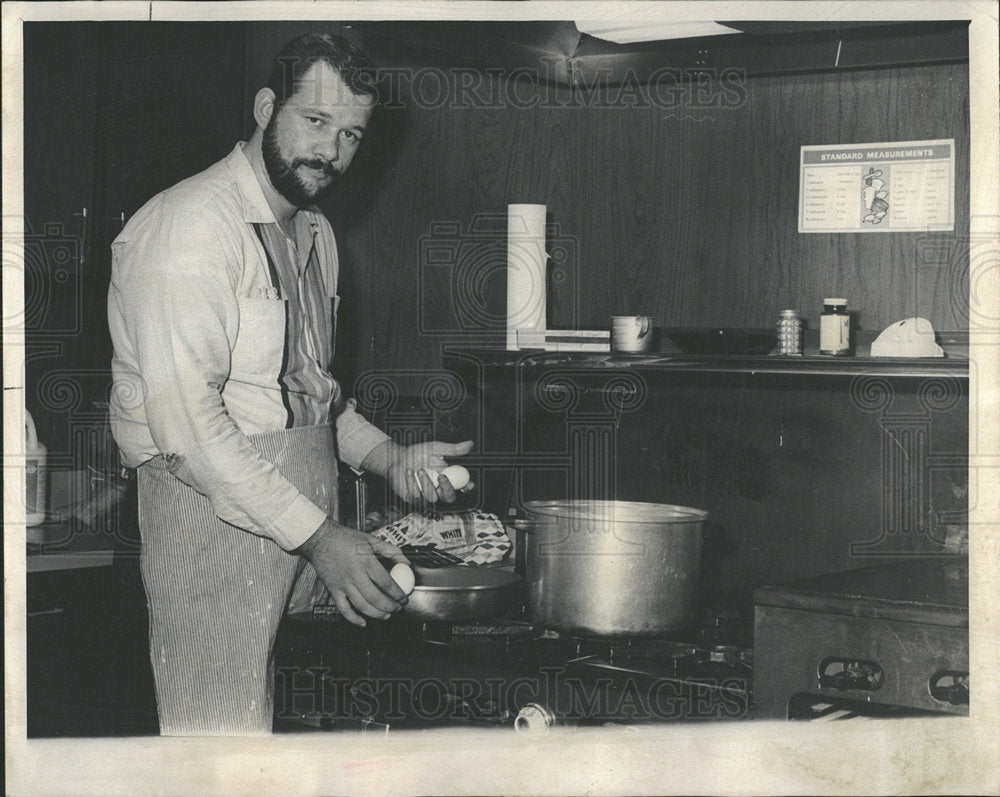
(835, 328)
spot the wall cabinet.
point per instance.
(113, 114)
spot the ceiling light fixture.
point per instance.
(620, 33)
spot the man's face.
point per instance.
(311, 140)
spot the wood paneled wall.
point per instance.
(687, 215)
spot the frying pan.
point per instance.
(462, 592)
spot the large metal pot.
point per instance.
(613, 568)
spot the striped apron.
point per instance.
(217, 593)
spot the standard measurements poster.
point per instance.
(900, 186)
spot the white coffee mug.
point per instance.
(631, 333)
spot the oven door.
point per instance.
(810, 664)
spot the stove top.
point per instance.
(506, 671)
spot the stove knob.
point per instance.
(534, 718)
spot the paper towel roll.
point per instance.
(526, 259)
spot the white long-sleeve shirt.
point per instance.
(200, 314)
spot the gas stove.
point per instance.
(502, 672)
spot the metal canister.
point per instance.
(789, 333)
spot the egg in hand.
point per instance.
(456, 474)
(402, 574)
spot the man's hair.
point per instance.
(298, 56)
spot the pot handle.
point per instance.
(516, 530)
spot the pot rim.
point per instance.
(616, 511)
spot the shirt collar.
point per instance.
(255, 207)
(256, 210)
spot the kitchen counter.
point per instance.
(91, 519)
(933, 591)
(66, 546)
(666, 362)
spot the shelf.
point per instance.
(763, 365)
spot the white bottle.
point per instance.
(835, 328)
(34, 474)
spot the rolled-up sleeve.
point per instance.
(176, 296)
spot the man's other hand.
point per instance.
(404, 468)
(347, 562)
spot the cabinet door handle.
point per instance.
(47, 612)
(82, 215)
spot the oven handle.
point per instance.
(843, 674)
(950, 686)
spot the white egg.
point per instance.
(402, 574)
(457, 475)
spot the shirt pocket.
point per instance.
(260, 342)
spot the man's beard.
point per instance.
(282, 173)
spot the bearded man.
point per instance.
(222, 310)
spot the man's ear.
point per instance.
(263, 107)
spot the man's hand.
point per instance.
(402, 467)
(346, 561)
